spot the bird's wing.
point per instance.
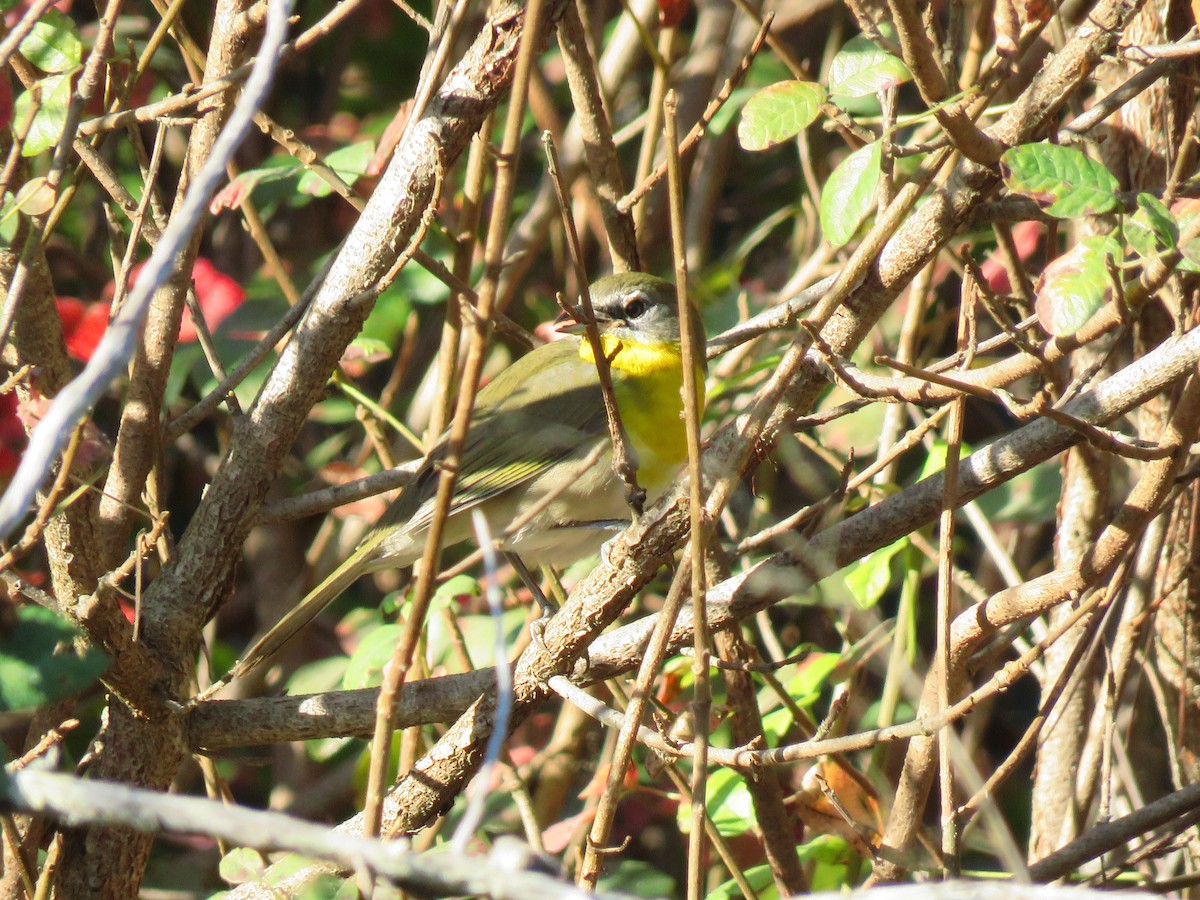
(533, 414)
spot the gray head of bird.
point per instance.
(635, 306)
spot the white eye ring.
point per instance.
(635, 305)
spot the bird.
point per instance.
(540, 429)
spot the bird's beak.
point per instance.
(570, 323)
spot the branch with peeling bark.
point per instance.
(510, 870)
(217, 725)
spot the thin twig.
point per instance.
(599, 151)
(918, 52)
(693, 362)
(631, 730)
(624, 463)
(316, 502)
(473, 815)
(735, 78)
(946, 603)
(75, 801)
(396, 671)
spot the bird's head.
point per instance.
(636, 307)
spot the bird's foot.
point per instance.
(537, 630)
(606, 553)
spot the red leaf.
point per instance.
(558, 836)
(594, 789)
(6, 103)
(12, 435)
(83, 325)
(671, 12)
(522, 755)
(232, 195)
(1038, 10)
(389, 139)
(12, 432)
(70, 311)
(17, 12)
(31, 411)
(1026, 236)
(217, 293)
(1076, 284)
(93, 447)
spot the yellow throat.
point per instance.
(648, 384)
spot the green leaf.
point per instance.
(811, 678)
(778, 113)
(369, 349)
(51, 116)
(636, 877)
(459, 586)
(730, 805)
(38, 663)
(805, 688)
(288, 865)
(826, 848)
(1151, 231)
(856, 431)
(1075, 285)
(1031, 497)
(350, 163)
(478, 634)
(758, 877)
(241, 865)
(286, 179)
(52, 45)
(186, 361)
(10, 220)
(245, 184)
(35, 197)
(849, 194)
(233, 338)
(776, 724)
(388, 319)
(348, 890)
(862, 69)
(1155, 213)
(1062, 179)
(830, 857)
(731, 109)
(869, 578)
(1185, 212)
(317, 676)
(365, 668)
(935, 460)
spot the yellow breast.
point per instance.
(647, 382)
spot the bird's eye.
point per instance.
(635, 306)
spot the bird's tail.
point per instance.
(357, 564)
